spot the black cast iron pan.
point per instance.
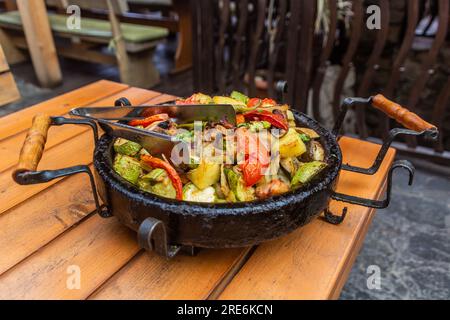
(166, 225)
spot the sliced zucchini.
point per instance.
(126, 147)
(236, 95)
(239, 190)
(307, 172)
(127, 167)
(157, 181)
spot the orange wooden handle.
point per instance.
(403, 116)
(34, 144)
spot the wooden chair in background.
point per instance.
(173, 15)
(177, 17)
(8, 89)
(133, 44)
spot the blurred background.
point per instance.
(308, 53)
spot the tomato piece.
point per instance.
(253, 102)
(256, 159)
(269, 102)
(251, 172)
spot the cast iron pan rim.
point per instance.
(113, 180)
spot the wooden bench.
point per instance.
(183, 25)
(8, 89)
(133, 44)
(175, 16)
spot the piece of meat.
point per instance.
(273, 188)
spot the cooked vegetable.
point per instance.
(316, 151)
(254, 102)
(256, 156)
(238, 105)
(236, 95)
(305, 138)
(291, 119)
(126, 147)
(149, 120)
(185, 136)
(239, 190)
(267, 102)
(173, 175)
(157, 182)
(192, 193)
(291, 165)
(142, 152)
(310, 132)
(291, 145)
(196, 98)
(240, 118)
(256, 126)
(275, 119)
(224, 187)
(205, 175)
(251, 169)
(307, 172)
(127, 167)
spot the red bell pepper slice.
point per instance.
(277, 120)
(256, 159)
(149, 120)
(171, 172)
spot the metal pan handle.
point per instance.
(402, 115)
(413, 124)
(33, 148)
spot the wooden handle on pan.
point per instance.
(403, 116)
(34, 144)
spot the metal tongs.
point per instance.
(113, 120)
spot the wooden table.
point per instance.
(47, 229)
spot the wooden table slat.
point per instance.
(28, 226)
(98, 247)
(183, 277)
(310, 262)
(21, 120)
